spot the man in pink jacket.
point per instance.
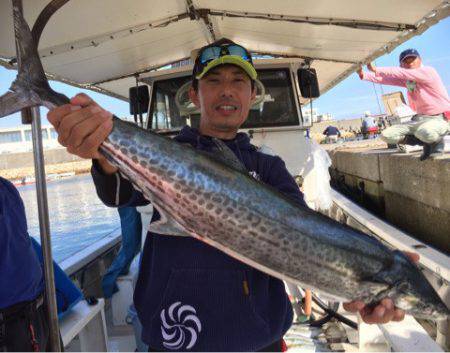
(426, 95)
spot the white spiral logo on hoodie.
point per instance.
(180, 326)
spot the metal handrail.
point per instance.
(33, 115)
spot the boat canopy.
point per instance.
(104, 44)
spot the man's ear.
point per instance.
(193, 96)
(253, 97)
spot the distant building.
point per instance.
(306, 112)
(315, 118)
(324, 117)
(18, 139)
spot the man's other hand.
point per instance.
(382, 313)
(371, 67)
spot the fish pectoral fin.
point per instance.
(225, 155)
(380, 285)
(166, 225)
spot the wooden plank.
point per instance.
(408, 336)
(77, 318)
(93, 337)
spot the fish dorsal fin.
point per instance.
(224, 154)
(167, 225)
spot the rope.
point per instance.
(378, 100)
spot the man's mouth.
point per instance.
(227, 107)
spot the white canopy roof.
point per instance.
(103, 43)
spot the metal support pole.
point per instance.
(44, 227)
(138, 99)
(136, 102)
(32, 116)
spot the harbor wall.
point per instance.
(349, 124)
(411, 194)
(15, 166)
(25, 159)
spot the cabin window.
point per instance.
(164, 114)
(277, 109)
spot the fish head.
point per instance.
(423, 303)
(414, 293)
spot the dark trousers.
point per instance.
(24, 328)
(131, 225)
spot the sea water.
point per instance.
(77, 216)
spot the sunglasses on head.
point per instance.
(216, 51)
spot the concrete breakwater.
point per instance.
(15, 166)
(413, 195)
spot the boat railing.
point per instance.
(80, 259)
(408, 334)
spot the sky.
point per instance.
(349, 99)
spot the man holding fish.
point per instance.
(190, 295)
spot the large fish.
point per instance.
(215, 200)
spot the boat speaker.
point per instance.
(139, 99)
(307, 80)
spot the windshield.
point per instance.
(278, 107)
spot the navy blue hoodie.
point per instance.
(21, 277)
(191, 296)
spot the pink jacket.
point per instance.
(426, 92)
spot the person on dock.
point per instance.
(332, 134)
(23, 322)
(427, 96)
(226, 305)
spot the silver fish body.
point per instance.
(226, 208)
(200, 196)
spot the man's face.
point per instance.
(412, 62)
(224, 97)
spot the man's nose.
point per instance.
(227, 90)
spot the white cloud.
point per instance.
(438, 59)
